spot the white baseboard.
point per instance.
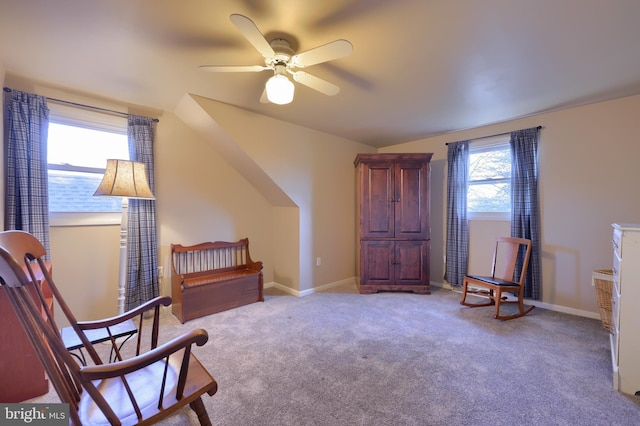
(269, 284)
(549, 306)
(348, 281)
(282, 288)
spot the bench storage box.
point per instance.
(211, 277)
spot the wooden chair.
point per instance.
(502, 279)
(139, 390)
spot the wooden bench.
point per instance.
(210, 277)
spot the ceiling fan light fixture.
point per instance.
(280, 89)
(280, 58)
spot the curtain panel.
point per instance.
(26, 194)
(457, 250)
(142, 247)
(525, 208)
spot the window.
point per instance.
(78, 146)
(489, 190)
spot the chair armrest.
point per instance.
(120, 368)
(110, 322)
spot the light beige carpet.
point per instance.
(341, 358)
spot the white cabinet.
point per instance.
(625, 340)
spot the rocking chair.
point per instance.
(142, 389)
(502, 280)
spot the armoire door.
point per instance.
(394, 204)
(377, 258)
(378, 206)
(410, 262)
(393, 263)
(411, 205)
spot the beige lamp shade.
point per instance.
(124, 178)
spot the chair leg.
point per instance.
(475, 305)
(498, 299)
(201, 412)
(521, 310)
(464, 292)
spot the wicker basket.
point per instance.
(603, 281)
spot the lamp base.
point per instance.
(122, 278)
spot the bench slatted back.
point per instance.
(221, 256)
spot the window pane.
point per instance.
(489, 197)
(494, 164)
(82, 147)
(83, 153)
(73, 192)
(489, 188)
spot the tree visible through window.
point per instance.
(489, 189)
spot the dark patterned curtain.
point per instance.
(142, 246)
(525, 210)
(26, 194)
(457, 256)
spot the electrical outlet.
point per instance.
(161, 271)
(318, 261)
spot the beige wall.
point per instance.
(588, 180)
(85, 261)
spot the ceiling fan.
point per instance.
(282, 60)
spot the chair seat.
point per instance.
(493, 280)
(72, 341)
(146, 385)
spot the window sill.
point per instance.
(490, 216)
(84, 219)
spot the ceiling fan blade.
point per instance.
(253, 34)
(326, 52)
(232, 68)
(316, 83)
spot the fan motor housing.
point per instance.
(283, 50)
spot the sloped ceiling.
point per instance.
(419, 67)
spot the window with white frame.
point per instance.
(78, 145)
(489, 189)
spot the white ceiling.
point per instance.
(419, 67)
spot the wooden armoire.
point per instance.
(393, 222)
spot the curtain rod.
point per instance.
(95, 108)
(493, 136)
